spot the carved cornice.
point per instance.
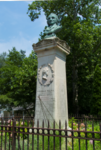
(52, 42)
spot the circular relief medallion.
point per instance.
(45, 74)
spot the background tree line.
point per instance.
(17, 79)
(81, 21)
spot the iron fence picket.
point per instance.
(1, 133)
(72, 137)
(5, 135)
(48, 133)
(13, 136)
(38, 135)
(54, 134)
(86, 134)
(66, 134)
(28, 135)
(23, 135)
(9, 135)
(79, 133)
(93, 136)
(19, 135)
(60, 134)
(43, 135)
(33, 136)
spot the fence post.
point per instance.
(13, 135)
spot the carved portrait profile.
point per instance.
(45, 73)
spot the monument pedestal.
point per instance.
(51, 94)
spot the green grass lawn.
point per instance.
(51, 145)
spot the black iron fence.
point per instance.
(19, 134)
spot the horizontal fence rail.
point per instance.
(85, 117)
(16, 117)
(76, 116)
(20, 134)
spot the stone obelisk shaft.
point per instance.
(51, 94)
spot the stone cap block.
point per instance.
(47, 44)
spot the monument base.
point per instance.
(51, 94)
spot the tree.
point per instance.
(18, 79)
(6, 72)
(15, 57)
(81, 21)
(2, 59)
(96, 100)
(23, 89)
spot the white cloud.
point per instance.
(18, 43)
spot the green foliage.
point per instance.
(84, 8)
(18, 79)
(4, 101)
(72, 120)
(23, 89)
(96, 100)
(15, 57)
(2, 59)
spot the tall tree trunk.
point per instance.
(75, 86)
(75, 69)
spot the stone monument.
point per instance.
(51, 93)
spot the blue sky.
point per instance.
(16, 28)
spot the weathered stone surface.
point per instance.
(51, 95)
(51, 43)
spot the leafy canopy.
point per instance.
(96, 100)
(18, 79)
